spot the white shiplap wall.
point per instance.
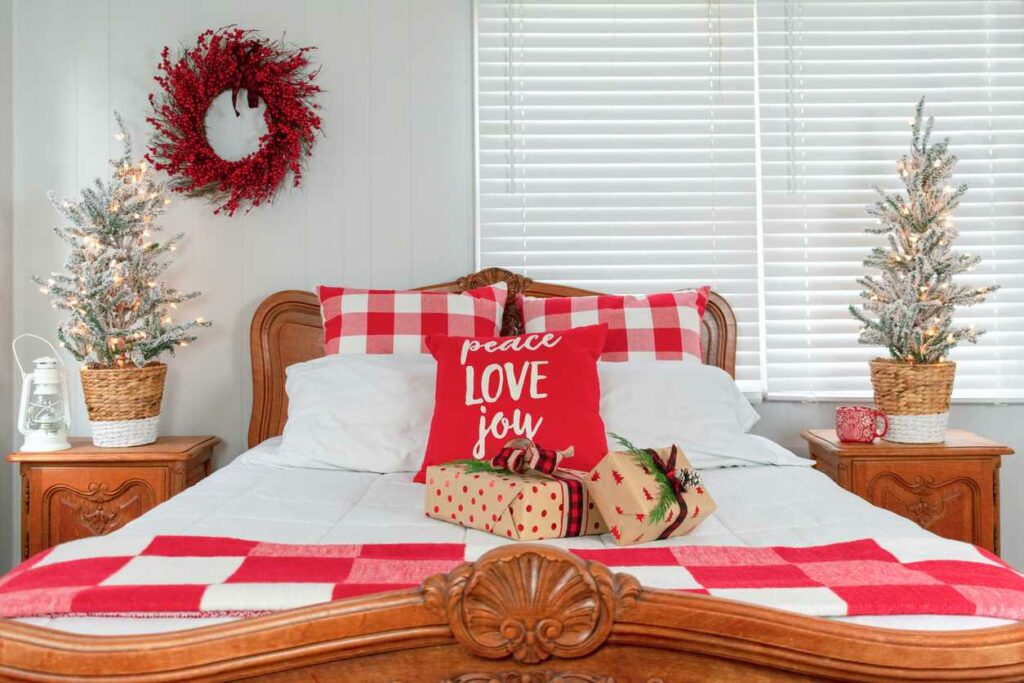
(6, 418)
(386, 201)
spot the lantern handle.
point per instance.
(17, 360)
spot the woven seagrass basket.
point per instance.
(915, 398)
(124, 403)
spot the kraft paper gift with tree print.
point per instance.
(646, 494)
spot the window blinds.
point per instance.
(616, 148)
(838, 85)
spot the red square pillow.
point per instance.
(393, 321)
(542, 386)
(662, 326)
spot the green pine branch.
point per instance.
(473, 466)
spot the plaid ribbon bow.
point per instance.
(247, 61)
(521, 454)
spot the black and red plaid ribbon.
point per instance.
(678, 480)
(521, 454)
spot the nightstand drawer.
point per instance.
(78, 502)
(951, 499)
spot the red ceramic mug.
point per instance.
(859, 424)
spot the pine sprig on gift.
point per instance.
(473, 466)
(666, 495)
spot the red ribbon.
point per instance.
(247, 62)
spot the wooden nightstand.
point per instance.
(90, 491)
(949, 488)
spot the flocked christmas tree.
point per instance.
(910, 304)
(121, 314)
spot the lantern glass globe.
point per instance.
(46, 413)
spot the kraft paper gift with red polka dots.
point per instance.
(525, 507)
(649, 494)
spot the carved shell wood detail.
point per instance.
(530, 603)
(512, 323)
(532, 677)
(99, 510)
(536, 677)
(922, 499)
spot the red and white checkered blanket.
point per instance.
(205, 576)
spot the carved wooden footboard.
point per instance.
(525, 614)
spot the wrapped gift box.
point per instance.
(528, 506)
(648, 494)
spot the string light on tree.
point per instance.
(909, 305)
(111, 284)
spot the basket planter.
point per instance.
(915, 397)
(124, 404)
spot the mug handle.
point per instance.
(885, 424)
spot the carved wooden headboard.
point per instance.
(287, 328)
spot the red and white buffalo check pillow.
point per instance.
(654, 326)
(395, 321)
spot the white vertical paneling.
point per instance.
(94, 124)
(7, 379)
(355, 115)
(43, 155)
(350, 223)
(343, 52)
(391, 182)
(441, 87)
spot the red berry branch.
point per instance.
(234, 59)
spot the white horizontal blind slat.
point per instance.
(616, 147)
(838, 82)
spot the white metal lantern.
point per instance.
(44, 413)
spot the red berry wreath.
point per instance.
(233, 59)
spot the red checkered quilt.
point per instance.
(205, 576)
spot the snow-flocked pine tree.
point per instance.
(121, 314)
(909, 305)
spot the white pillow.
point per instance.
(368, 413)
(671, 398)
(698, 407)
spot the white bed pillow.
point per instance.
(698, 407)
(367, 413)
(661, 397)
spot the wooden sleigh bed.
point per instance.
(522, 613)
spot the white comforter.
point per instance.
(757, 506)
